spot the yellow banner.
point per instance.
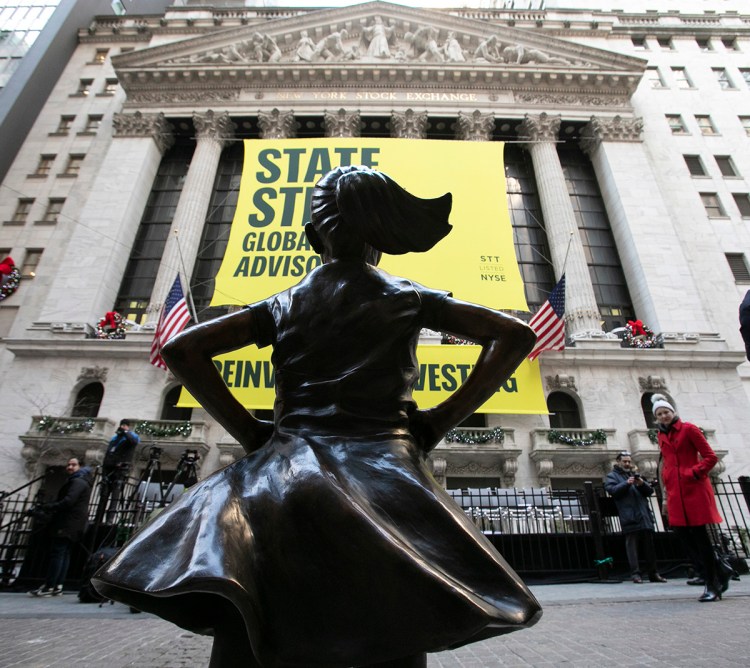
(250, 375)
(267, 250)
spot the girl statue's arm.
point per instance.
(505, 342)
(189, 356)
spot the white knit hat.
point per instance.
(660, 401)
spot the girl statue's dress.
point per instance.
(330, 543)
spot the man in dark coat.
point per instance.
(68, 518)
(115, 467)
(630, 493)
(745, 322)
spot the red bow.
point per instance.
(636, 326)
(7, 265)
(109, 319)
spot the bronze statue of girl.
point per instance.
(330, 543)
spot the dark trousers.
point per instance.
(646, 538)
(59, 560)
(698, 546)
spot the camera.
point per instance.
(637, 476)
(190, 456)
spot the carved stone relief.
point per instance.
(409, 124)
(277, 124)
(93, 373)
(540, 128)
(610, 129)
(139, 124)
(342, 123)
(475, 126)
(650, 383)
(559, 382)
(213, 126)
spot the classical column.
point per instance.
(647, 242)
(409, 124)
(475, 126)
(211, 132)
(581, 312)
(343, 123)
(101, 240)
(277, 124)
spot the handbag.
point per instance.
(724, 569)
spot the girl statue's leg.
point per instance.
(231, 648)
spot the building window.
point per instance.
(170, 410)
(745, 73)
(110, 87)
(22, 210)
(30, 262)
(738, 265)
(93, 121)
(74, 165)
(100, 57)
(639, 43)
(64, 126)
(695, 165)
(563, 411)
(726, 166)
(84, 87)
(681, 77)
(654, 78)
(44, 167)
(88, 400)
(712, 204)
(730, 43)
(722, 76)
(54, 207)
(704, 43)
(665, 43)
(706, 125)
(742, 200)
(602, 258)
(676, 124)
(745, 122)
(529, 237)
(140, 273)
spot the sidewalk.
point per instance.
(583, 625)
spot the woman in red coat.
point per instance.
(687, 460)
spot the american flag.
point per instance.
(174, 316)
(548, 322)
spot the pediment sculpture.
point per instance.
(377, 41)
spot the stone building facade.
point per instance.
(626, 160)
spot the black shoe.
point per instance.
(700, 582)
(637, 579)
(710, 595)
(655, 577)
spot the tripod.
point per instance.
(140, 495)
(186, 473)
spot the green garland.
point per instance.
(474, 437)
(49, 424)
(598, 436)
(146, 428)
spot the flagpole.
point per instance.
(188, 291)
(567, 252)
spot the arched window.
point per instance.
(88, 400)
(170, 410)
(564, 413)
(648, 408)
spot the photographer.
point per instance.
(630, 493)
(115, 467)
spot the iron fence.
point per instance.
(541, 532)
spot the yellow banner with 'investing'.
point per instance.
(267, 250)
(250, 375)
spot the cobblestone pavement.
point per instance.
(583, 625)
